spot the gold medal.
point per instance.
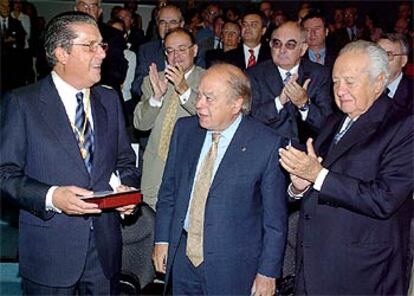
(83, 152)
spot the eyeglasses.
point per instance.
(277, 44)
(94, 45)
(391, 55)
(169, 23)
(88, 6)
(180, 50)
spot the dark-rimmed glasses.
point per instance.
(94, 45)
(277, 44)
(180, 50)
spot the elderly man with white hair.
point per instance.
(356, 184)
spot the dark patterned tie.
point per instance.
(84, 133)
(287, 77)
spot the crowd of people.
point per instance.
(243, 114)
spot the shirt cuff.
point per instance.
(278, 104)
(296, 196)
(161, 243)
(49, 203)
(155, 103)
(320, 179)
(185, 96)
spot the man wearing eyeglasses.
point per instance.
(65, 138)
(166, 96)
(114, 67)
(169, 17)
(400, 87)
(291, 94)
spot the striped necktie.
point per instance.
(342, 132)
(84, 134)
(252, 59)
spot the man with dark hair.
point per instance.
(400, 87)
(65, 138)
(221, 211)
(316, 29)
(114, 67)
(251, 50)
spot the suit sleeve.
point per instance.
(26, 192)
(167, 193)
(321, 101)
(141, 71)
(275, 217)
(381, 197)
(126, 158)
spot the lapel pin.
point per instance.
(243, 148)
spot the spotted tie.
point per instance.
(202, 184)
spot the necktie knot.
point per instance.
(215, 137)
(79, 97)
(287, 77)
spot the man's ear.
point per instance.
(195, 49)
(61, 55)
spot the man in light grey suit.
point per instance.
(166, 96)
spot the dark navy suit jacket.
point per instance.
(245, 216)
(353, 234)
(236, 56)
(38, 150)
(267, 84)
(403, 96)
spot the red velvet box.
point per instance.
(110, 199)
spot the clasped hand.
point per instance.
(174, 74)
(306, 166)
(294, 92)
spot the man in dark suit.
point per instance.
(221, 211)
(251, 51)
(315, 26)
(115, 66)
(350, 32)
(12, 41)
(134, 37)
(64, 138)
(400, 87)
(356, 186)
(291, 94)
(169, 17)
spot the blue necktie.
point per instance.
(84, 133)
(287, 77)
(341, 133)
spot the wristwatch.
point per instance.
(305, 107)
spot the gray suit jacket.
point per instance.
(151, 118)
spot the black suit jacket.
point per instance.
(330, 57)
(114, 66)
(214, 56)
(403, 97)
(353, 233)
(41, 151)
(237, 58)
(136, 38)
(267, 84)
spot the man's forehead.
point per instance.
(168, 14)
(177, 39)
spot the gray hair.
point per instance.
(398, 38)
(59, 32)
(238, 84)
(378, 59)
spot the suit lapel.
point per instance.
(100, 123)
(362, 129)
(237, 146)
(54, 114)
(273, 80)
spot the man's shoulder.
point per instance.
(311, 67)
(252, 126)
(261, 68)
(151, 47)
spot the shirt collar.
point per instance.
(394, 85)
(229, 132)
(292, 71)
(255, 49)
(64, 89)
